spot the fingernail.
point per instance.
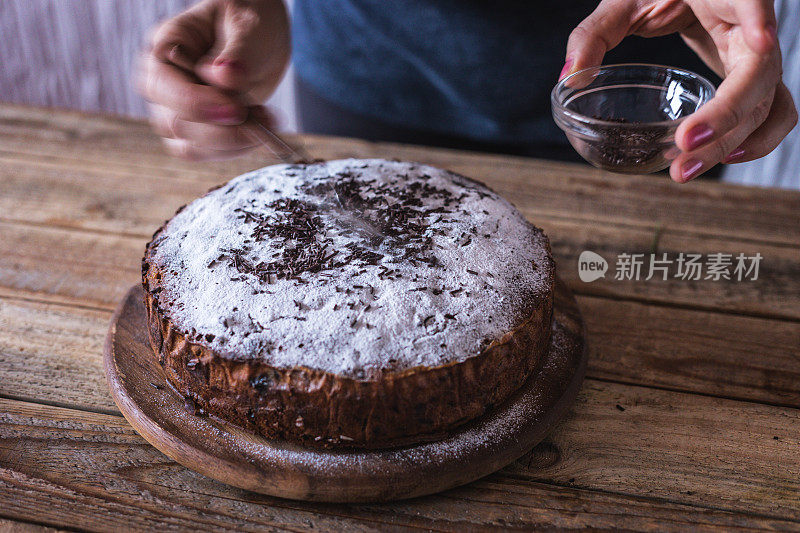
(175, 51)
(223, 114)
(698, 136)
(232, 64)
(565, 70)
(690, 169)
(734, 156)
(178, 57)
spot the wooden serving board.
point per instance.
(236, 457)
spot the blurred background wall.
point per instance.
(81, 54)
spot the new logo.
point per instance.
(591, 266)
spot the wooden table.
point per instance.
(688, 417)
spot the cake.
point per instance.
(352, 303)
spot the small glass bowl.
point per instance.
(623, 117)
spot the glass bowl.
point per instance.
(623, 117)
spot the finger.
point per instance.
(689, 165)
(185, 150)
(166, 123)
(751, 81)
(213, 137)
(698, 39)
(199, 134)
(757, 19)
(190, 33)
(598, 33)
(162, 120)
(167, 85)
(781, 120)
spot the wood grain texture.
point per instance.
(687, 421)
(774, 294)
(134, 198)
(13, 526)
(123, 481)
(53, 354)
(716, 354)
(114, 259)
(132, 203)
(712, 451)
(65, 266)
(557, 189)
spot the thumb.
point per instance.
(598, 33)
(184, 38)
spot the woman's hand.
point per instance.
(206, 66)
(752, 111)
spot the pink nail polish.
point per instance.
(566, 68)
(734, 156)
(698, 136)
(222, 114)
(690, 169)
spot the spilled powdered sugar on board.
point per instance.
(354, 267)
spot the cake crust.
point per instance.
(382, 407)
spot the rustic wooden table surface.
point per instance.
(688, 417)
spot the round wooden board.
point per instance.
(236, 457)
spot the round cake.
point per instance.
(358, 303)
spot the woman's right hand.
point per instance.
(205, 66)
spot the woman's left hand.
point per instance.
(753, 110)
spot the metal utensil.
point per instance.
(252, 127)
(273, 142)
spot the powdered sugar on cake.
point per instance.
(355, 267)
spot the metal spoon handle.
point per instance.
(253, 127)
(273, 142)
